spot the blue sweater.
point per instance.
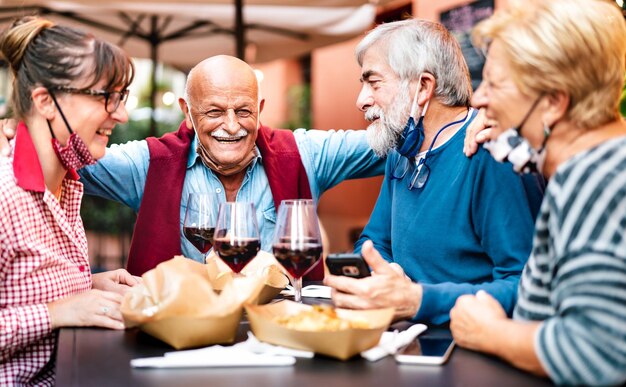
(469, 228)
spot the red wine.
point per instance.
(237, 253)
(298, 261)
(201, 238)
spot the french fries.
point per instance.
(320, 318)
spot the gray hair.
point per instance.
(415, 46)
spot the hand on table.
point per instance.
(7, 132)
(472, 319)
(387, 287)
(117, 281)
(95, 308)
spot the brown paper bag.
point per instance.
(177, 304)
(342, 344)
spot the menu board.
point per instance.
(460, 21)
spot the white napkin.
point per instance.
(255, 346)
(313, 291)
(214, 356)
(391, 342)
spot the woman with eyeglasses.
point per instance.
(68, 92)
(551, 87)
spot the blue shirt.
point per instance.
(329, 157)
(469, 228)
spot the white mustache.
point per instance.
(373, 113)
(223, 134)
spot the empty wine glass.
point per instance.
(237, 234)
(200, 219)
(297, 241)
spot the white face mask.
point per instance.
(511, 146)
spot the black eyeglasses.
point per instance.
(421, 170)
(112, 99)
(420, 174)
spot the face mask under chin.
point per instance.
(510, 146)
(412, 136)
(75, 154)
(221, 169)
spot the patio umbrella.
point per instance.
(182, 33)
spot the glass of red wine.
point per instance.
(236, 239)
(297, 241)
(200, 219)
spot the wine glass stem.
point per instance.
(297, 289)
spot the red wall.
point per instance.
(279, 76)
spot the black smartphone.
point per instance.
(350, 265)
(426, 350)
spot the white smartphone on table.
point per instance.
(426, 350)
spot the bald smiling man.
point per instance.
(222, 147)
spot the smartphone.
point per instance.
(426, 350)
(350, 265)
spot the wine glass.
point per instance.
(297, 241)
(237, 234)
(200, 219)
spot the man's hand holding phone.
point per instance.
(387, 287)
(349, 265)
(353, 265)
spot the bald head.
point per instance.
(222, 104)
(221, 72)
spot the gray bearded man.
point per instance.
(442, 226)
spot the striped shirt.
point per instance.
(43, 257)
(575, 279)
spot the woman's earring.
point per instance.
(546, 130)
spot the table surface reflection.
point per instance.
(101, 357)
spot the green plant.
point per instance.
(298, 107)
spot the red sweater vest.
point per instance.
(156, 237)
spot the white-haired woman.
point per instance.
(551, 89)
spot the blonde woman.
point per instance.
(68, 92)
(551, 89)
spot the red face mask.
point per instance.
(74, 155)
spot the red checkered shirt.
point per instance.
(43, 257)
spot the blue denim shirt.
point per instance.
(329, 157)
